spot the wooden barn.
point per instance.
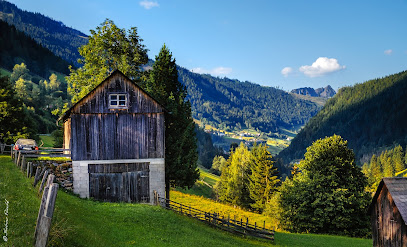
(389, 213)
(116, 137)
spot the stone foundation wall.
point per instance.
(81, 175)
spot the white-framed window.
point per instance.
(117, 100)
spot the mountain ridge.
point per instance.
(324, 92)
(370, 116)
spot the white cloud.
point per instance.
(388, 52)
(286, 71)
(149, 4)
(321, 66)
(216, 71)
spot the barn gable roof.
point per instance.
(114, 73)
(397, 187)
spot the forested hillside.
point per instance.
(229, 104)
(371, 116)
(16, 47)
(54, 35)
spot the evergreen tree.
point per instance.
(109, 48)
(375, 168)
(398, 157)
(263, 179)
(180, 141)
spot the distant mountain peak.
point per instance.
(326, 92)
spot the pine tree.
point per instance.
(180, 141)
(375, 168)
(398, 159)
(263, 178)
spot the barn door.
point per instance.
(118, 182)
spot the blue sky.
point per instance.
(285, 44)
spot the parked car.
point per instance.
(25, 144)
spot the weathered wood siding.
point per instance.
(388, 226)
(98, 100)
(100, 133)
(117, 136)
(119, 182)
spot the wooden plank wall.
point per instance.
(388, 226)
(119, 182)
(117, 136)
(98, 100)
(95, 132)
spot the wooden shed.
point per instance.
(389, 213)
(116, 137)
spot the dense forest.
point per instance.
(16, 47)
(371, 116)
(232, 104)
(61, 40)
(388, 163)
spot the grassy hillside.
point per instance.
(204, 186)
(371, 115)
(79, 222)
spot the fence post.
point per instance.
(264, 225)
(18, 158)
(44, 178)
(39, 175)
(29, 169)
(45, 215)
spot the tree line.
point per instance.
(386, 164)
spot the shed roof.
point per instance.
(68, 112)
(397, 187)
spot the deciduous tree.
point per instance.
(109, 48)
(328, 196)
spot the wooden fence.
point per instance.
(233, 225)
(4, 148)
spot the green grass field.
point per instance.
(48, 141)
(80, 222)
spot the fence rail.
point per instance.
(241, 227)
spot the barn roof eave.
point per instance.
(66, 114)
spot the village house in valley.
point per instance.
(389, 213)
(116, 137)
